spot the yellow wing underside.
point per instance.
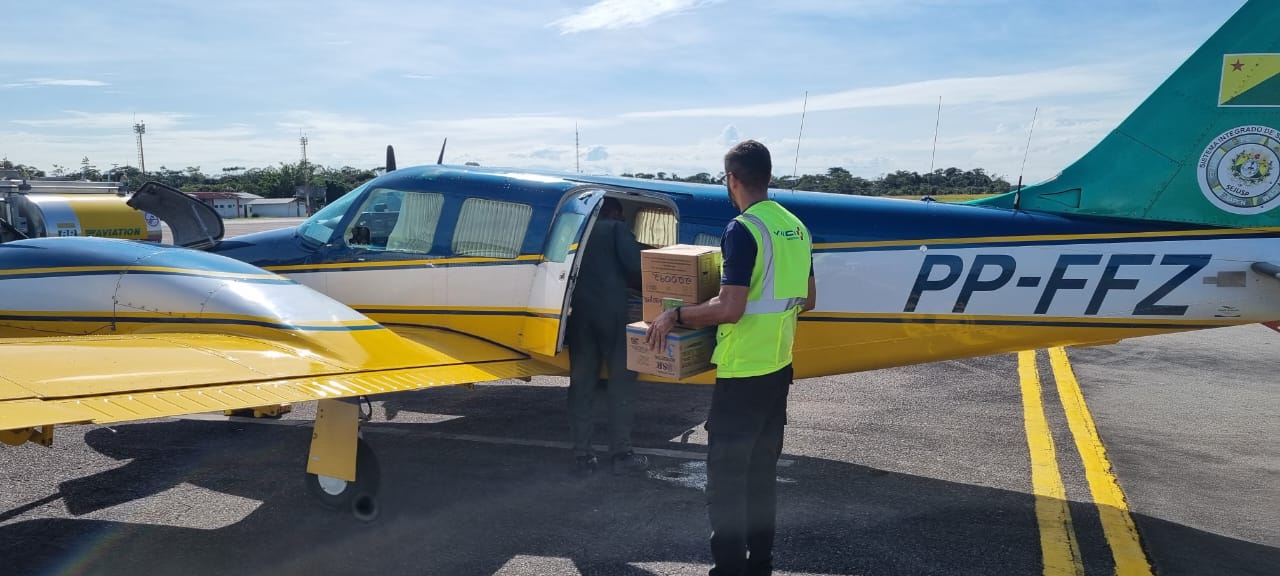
(106, 379)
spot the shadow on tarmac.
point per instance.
(459, 508)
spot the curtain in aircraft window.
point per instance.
(704, 239)
(654, 226)
(491, 228)
(397, 221)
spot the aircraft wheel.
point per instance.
(361, 496)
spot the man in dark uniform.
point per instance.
(766, 282)
(597, 333)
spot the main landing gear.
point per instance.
(342, 471)
(359, 496)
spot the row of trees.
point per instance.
(285, 179)
(281, 181)
(899, 183)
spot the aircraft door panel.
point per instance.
(554, 280)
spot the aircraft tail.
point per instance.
(1204, 148)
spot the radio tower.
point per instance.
(140, 128)
(306, 180)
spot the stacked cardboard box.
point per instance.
(678, 275)
(687, 352)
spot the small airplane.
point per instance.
(441, 275)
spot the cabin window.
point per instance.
(654, 226)
(704, 239)
(397, 221)
(562, 236)
(491, 228)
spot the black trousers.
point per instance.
(595, 338)
(745, 439)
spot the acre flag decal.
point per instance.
(1250, 80)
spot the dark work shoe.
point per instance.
(629, 463)
(584, 466)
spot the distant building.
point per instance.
(310, 194)
(228, 204)
(278, 207)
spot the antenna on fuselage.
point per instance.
(1017, 194)
(391, 159)
(795, 168)
(440, 160)
(932, 155)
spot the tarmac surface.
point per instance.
(929, 469)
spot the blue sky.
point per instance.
(656, 85)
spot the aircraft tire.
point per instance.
(359, 497)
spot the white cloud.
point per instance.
(547, 154)
(418, 76)
(56, 82)
(1006, 88)
(597, 154)
(611, 14)
(108, 120)
(513, 126)
(729, 136)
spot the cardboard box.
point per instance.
(682, 273)
(687, 352)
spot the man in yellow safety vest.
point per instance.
(766, 282)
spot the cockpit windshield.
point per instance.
(319, 228)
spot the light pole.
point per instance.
(141, 128)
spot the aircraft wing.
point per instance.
(105, 379)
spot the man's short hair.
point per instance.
(750, 162)
(611, 208)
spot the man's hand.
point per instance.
(659, 329)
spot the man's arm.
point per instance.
(811, 301)
(739, 251)
(628, 253)
(725, 308)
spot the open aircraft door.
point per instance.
(558, 272)
(192, 223)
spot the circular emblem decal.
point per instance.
(1239, 170)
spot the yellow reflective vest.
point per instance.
(760, 342)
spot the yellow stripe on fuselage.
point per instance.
(1048, 238)
(830, 343)
(973, 319)
(403, 263)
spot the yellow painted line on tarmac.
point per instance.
(1058, 545)
(1117, 524)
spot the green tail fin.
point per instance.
(1204, 148)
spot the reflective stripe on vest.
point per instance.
(767, 304)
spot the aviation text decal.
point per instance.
(1238, 171)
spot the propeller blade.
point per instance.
(440, 160)
(391, 159)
